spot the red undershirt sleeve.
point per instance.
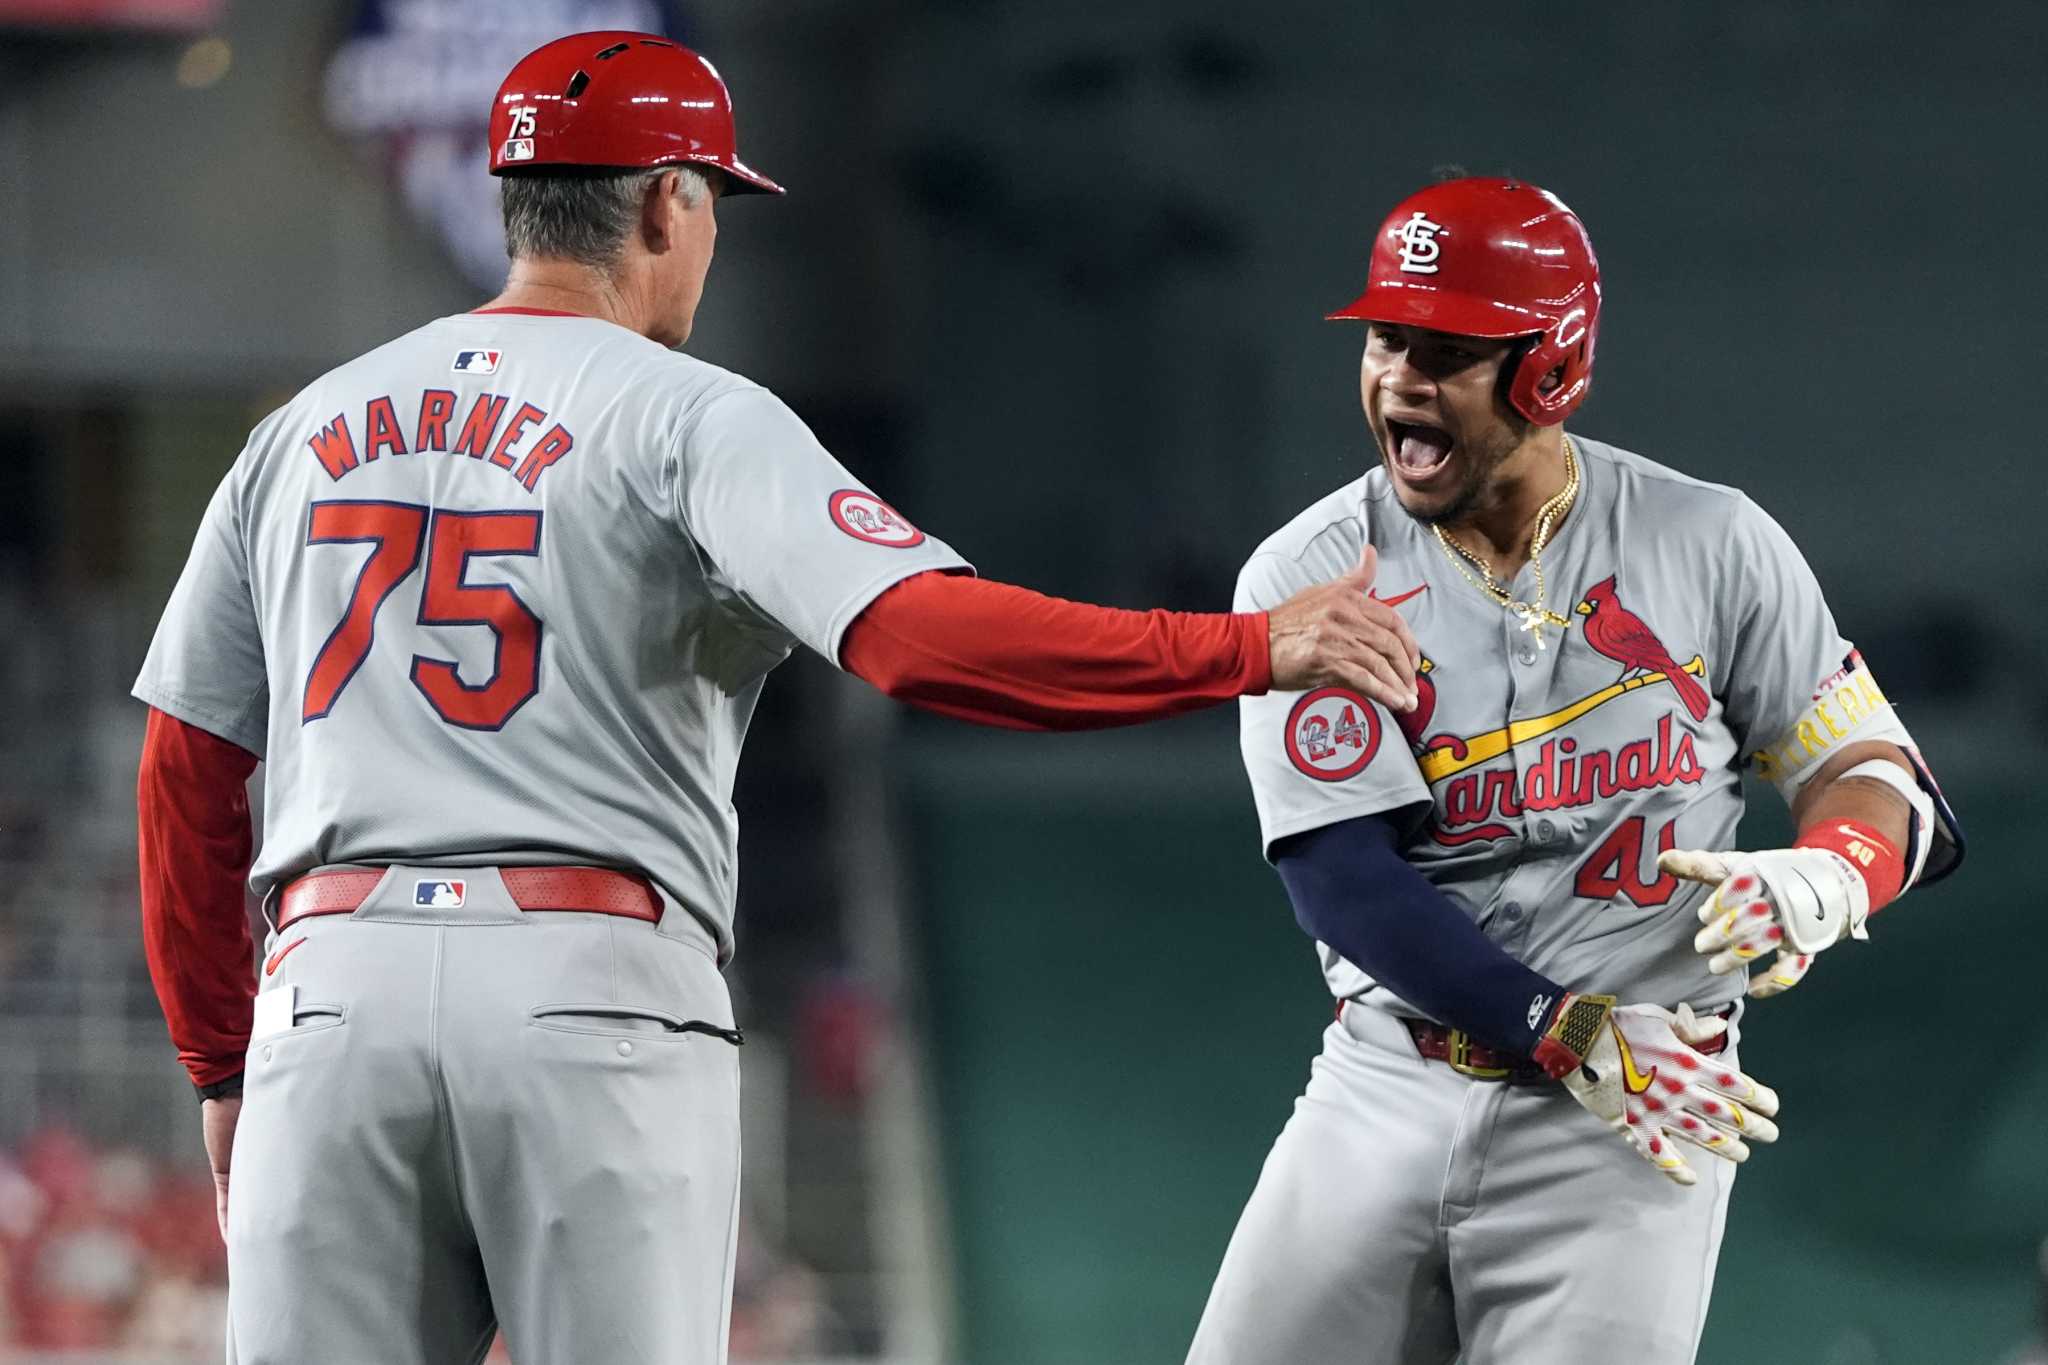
(194, 843)
(1001, 655)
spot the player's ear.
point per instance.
(659, 203)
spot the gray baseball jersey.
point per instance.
(505, 589)
(1408, 1212)
(1541, 783)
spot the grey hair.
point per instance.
(584, 218)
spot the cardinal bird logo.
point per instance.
(1414, 724)
(1620, 634)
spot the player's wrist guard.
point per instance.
(225, 1089)
(1868, 856)
(1574, 1027)
(1923, 820)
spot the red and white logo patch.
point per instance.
(866, 517)
(1332, 733)
(441, 895)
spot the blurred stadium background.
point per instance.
(1025, 1013)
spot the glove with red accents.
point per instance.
(1637, 1069)
(1796, 901)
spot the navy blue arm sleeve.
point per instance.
(1353, 890)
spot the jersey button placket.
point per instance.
(1527, 674)
(1511, 924)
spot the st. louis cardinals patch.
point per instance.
(1332, 733)
(864, 516)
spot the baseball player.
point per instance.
(494, 603)
(1519, 1138)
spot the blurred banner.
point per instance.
(151, 14)
(414, 79)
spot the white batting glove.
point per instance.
(1642, 1076)
(1787, 970)
(1795, 901)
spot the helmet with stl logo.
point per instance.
(617, 100)
(1498, 259)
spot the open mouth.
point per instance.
(1417, 449)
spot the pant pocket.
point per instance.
(311, 1016)
(618, 1020)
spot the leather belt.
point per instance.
(595, 890)
(1469, 1057)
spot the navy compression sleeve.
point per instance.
(1353, 890)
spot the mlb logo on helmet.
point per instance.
(518, 149)
(440, 894)
(477, 362)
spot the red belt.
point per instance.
(1469, 1057)
(594, 890)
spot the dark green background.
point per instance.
(1123, 1011)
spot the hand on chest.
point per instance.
(1512, 719)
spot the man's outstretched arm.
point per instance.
(1001, 655)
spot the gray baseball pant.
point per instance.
(485, 1118)
(1408, 1213)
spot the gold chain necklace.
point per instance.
(1532, 615)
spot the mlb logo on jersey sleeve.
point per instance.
(477, 362)
(441, 895)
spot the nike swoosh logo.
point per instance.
(270, 967)
(1398, 598)
(1820, 911)
(1632, 1080)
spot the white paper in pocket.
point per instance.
(276, 1008)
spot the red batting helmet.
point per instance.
(620, 100)
(1493, 258)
